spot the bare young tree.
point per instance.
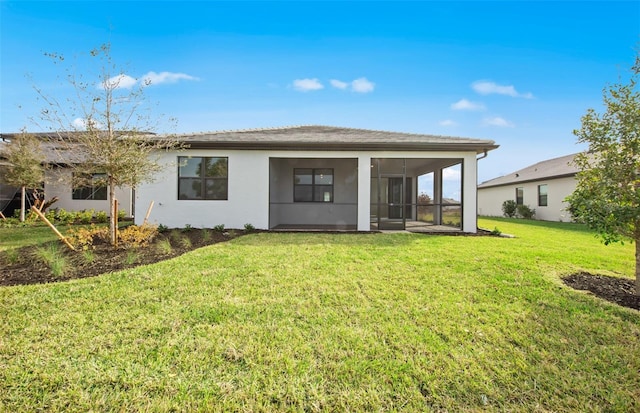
(26, 166)
(111, 126)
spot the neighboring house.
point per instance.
(59, 156)
(542, 186)
(312, 177)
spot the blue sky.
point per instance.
(520, 73)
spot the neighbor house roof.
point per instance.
(330, 138)
(550, 169)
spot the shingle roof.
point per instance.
(285, 138)
(549, 169)
(330, 138)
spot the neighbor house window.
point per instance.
(89, 186)
(542, 195)
(202, 178)
(313, 185)
(519, 196)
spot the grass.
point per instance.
(17, 237)
(51, 256)
(324, 322)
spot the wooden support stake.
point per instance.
(115, 217)
(2, 216)
(146, 217)
(62, 237)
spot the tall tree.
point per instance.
(112, 126)
(607, 195)
(26, 166)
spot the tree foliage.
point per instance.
(607, 195)
(26, 165)
(111, 124)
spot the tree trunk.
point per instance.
(637, 241)
(114, 213)
(23, 196)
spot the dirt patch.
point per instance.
(620, 291)
(22, 266)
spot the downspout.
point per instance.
(484, 155)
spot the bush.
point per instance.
(50, 215)
(85, 238)
(526, 212)
(249, 227)
(136, 236)
(509, 208)
(219, 228)
(101, 217)
(65, 217)
(85, 216)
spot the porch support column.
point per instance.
(364, 193)
(469, 193)
(437, 196)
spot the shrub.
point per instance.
(50, 215)
(162, 228)
(135, 236)
(85, 216)
(187, 228)
(249, 227)
(101, 217)
(121, 214)
(206, 235)
(526, 212)
(509, 208)
(219, 228)
(85, 238)
(65, 217)
(496, 231)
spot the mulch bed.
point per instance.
(620, 291)
(23, 267)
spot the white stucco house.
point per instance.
(312, 177)
(542, 186)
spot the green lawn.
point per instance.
(324, 322)
(16, 237)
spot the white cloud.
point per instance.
(485, 87)
(153, 78)
(123, 81)
(306, 85)
(362, 85)
(497, 121)
(447, 122)
(464, 104)
(79, 123)
(338, 84)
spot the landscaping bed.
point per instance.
(25, 266)
(613, 289)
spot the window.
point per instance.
(91, 186)
(542, 195)
(519, 196)
(313, 185)
(202, 178)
